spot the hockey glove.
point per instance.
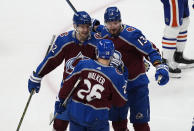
(95, 24)
(162, 75)
(116, 60)
(34, 82)
(59, 108)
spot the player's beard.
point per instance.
(83, 35)
(115, 31)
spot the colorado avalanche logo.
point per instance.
(97, 36)
(117, 55)
(71, 63)
(130, 29)
(116, 61)
(64, 34)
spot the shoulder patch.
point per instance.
(97, 36)
(64, 34)
(118, 72)
(130, 29)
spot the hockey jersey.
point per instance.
(133, 46)
(68, 48)
(100, 87)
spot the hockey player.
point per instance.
(176, 15)
(192, 129)
(193, 4)
(101, 87)
(70, 46)
(133, 47)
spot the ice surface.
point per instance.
(26, 28)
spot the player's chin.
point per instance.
(113, 32)
(85, 35)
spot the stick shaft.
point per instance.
(72, 7)
(25, 109)
(65, 102)
(53, 118)
(50, 45)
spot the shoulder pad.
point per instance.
(130, 29)
(65, 37)
(131, 32)
(64, 34)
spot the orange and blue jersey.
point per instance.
(175, 11)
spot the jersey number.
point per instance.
(93, 93)
(54, 48)
(142, 40)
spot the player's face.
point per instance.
(83, 30)
(113, 27)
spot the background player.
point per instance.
(193, 4)
(192, 129)
(70, 46)
(101, 86)
(176, 15)
(133, 47)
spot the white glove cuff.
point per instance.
(162, 66)
(35, 78)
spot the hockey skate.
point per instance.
(174, 71)
(184, 63)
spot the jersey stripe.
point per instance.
(174, 18)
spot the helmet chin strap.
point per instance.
(76, 30)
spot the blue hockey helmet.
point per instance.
(105, 49)
(81, 17)
(112, 14)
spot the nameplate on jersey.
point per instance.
(96, 77)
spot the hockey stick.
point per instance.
(33, 90)
(50, 45)
(65, 102)
(25, 109)
(72, 7)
